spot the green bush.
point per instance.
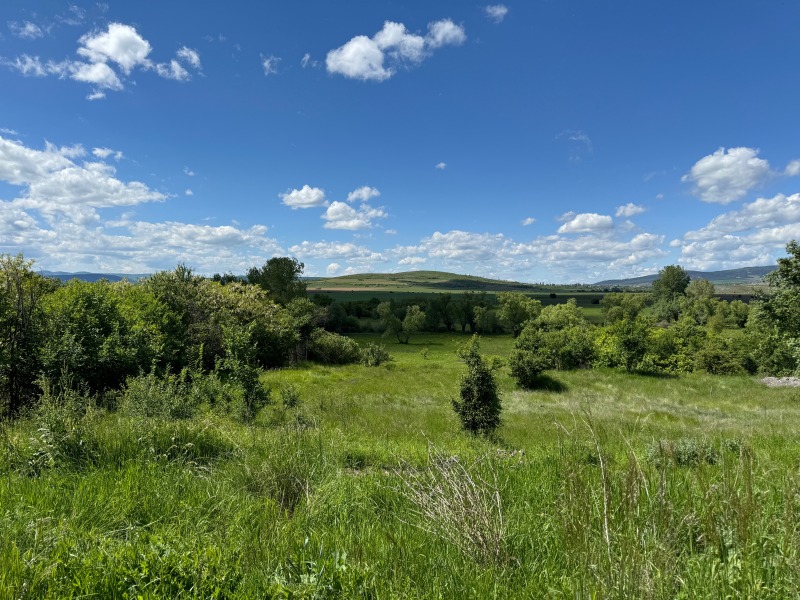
(332, 348)
(167, 396)
(478, 403)
(374, 355)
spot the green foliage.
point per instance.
(630, 341)
(280, 276)
(240, 367)
(168, 396)
(88, 336)
(668, 290)
(721, 356)
(478, 404)
(22, 324)
(618, 305)
(332, 348)
(515, 309)
(413, 321)
(374, 355)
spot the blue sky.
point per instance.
(551, 141)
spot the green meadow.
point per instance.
(357, 482)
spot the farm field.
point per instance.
(604, 484)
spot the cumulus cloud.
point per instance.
(334, 250)
(26, 30)
(188, 192)
(752, 235)
(629, 210)
(333, 268)
(585, 222)
(496, 12)
(528, 221)
(377, 58)
(270, 64)
(363, 194)
(727, 175)
(305, 197)
(441, 166)
(59, 213)
(342, 216)
(120, 44)
(411, 261)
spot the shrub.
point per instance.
(374, 355)
(167, 396)
(332, 348)
(719, 356)
(478, 404)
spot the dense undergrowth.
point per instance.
(357, 482)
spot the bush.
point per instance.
(374, 355)
(719, 356)
(478, 404)
(168, 396)
(332, 348)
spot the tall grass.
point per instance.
(604, 485)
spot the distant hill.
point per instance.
(425, 281)
(91, 277)
(743, 276)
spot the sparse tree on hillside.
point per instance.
(478, 403)
(413, 321)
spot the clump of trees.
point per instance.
(100, 336)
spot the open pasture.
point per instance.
(600, 484)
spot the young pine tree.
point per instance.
(478, 402)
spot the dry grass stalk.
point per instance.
(457, 504)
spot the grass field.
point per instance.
(603, 485)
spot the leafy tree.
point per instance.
(441, 310)
(88, 336)
(478, 404)
(668, 289)
(21, 329)
(619, 305)
(413, 321)
(515, 309)
(774, 322)
(465, 309)
(280, 276)
(630, 337)
(485, 319)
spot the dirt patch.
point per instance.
(781, 381)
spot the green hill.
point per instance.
(418, 281)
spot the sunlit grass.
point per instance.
(613, 485)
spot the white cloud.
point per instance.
(58, 214)
(390, 232)
(793, 169)
(188, 171)
(307, 61)
(629, 210)
(445, 33)
(752, 235)
(305, 197)
(364, 58)
(100, 74)
(96, 95)
(528, 221)
(412, 261)
(190, 56)
(586, 222)
(727, 175)
(441, 166)
(104, 153)
(342, 216)
(363, 194)
(496, 12)
(120, 43)
(173, 70)
(29, 66)
(188, 192)
(461, 246)
(333, 268)
(334, 250)
(270, 64)
(26, 30)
